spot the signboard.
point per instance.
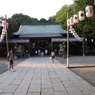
(19, 41)
(63, 39)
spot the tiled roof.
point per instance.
(37, 28)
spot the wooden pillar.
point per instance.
(29, 45)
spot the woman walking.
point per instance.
(53, 56)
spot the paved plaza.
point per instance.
(39, 76)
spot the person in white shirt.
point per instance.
(53, 56)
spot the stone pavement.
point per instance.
(39, 76)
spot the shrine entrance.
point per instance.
(40, 47)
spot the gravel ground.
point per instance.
(87, 73)
(82, 66)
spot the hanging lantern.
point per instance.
(75, 18)
(68, 22)
(2, 36)
(89, 11)
(81, 15)
(3, 33)
(71, 27)
(4, 23)
(4, 28)
(71, 21)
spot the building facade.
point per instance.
(40, 38)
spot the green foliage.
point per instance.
(88, 25)
(20, 18)
(61, 15)
(12, 27)
(16, 20)
(52, 19)
(43, 20)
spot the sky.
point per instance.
(33, 8)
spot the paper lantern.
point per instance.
(71, 27)
(68, 22)
(4, 29)
(81, 15)
(3, 33)
(75, 18)
(71, 21)
(2, 36)
(4, 23)
(89, 11)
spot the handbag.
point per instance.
(50, 57)
(8, 63)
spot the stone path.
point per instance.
(39, 76)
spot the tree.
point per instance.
(61, 15)
(89, 26)
(43, 20)
(12, 27)
(20, 18)
(52, 19)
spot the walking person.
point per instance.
(10, 59)
(53, 56)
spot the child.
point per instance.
(10, 59)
